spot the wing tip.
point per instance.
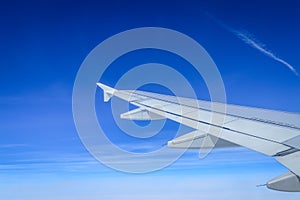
(107, 91)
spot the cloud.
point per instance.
(251, 41)
(26, 162)
(6, 146)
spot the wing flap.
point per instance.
(198, 140)
(293, 142)
(291, 161)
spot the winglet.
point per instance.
(107, 91)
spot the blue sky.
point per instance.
(42, 47)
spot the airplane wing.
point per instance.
(272, 133)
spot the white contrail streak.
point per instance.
(262, 49)
(256, 45)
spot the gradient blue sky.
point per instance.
(43, 45)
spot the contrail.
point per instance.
(256, 45)
(260, 47)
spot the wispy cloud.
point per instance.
(6, 146)
(26, 162)
(253, 42)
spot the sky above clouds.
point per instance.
(253, 43)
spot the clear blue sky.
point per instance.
(43, 45)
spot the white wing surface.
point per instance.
(272, 133)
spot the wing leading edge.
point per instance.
(272, 133)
